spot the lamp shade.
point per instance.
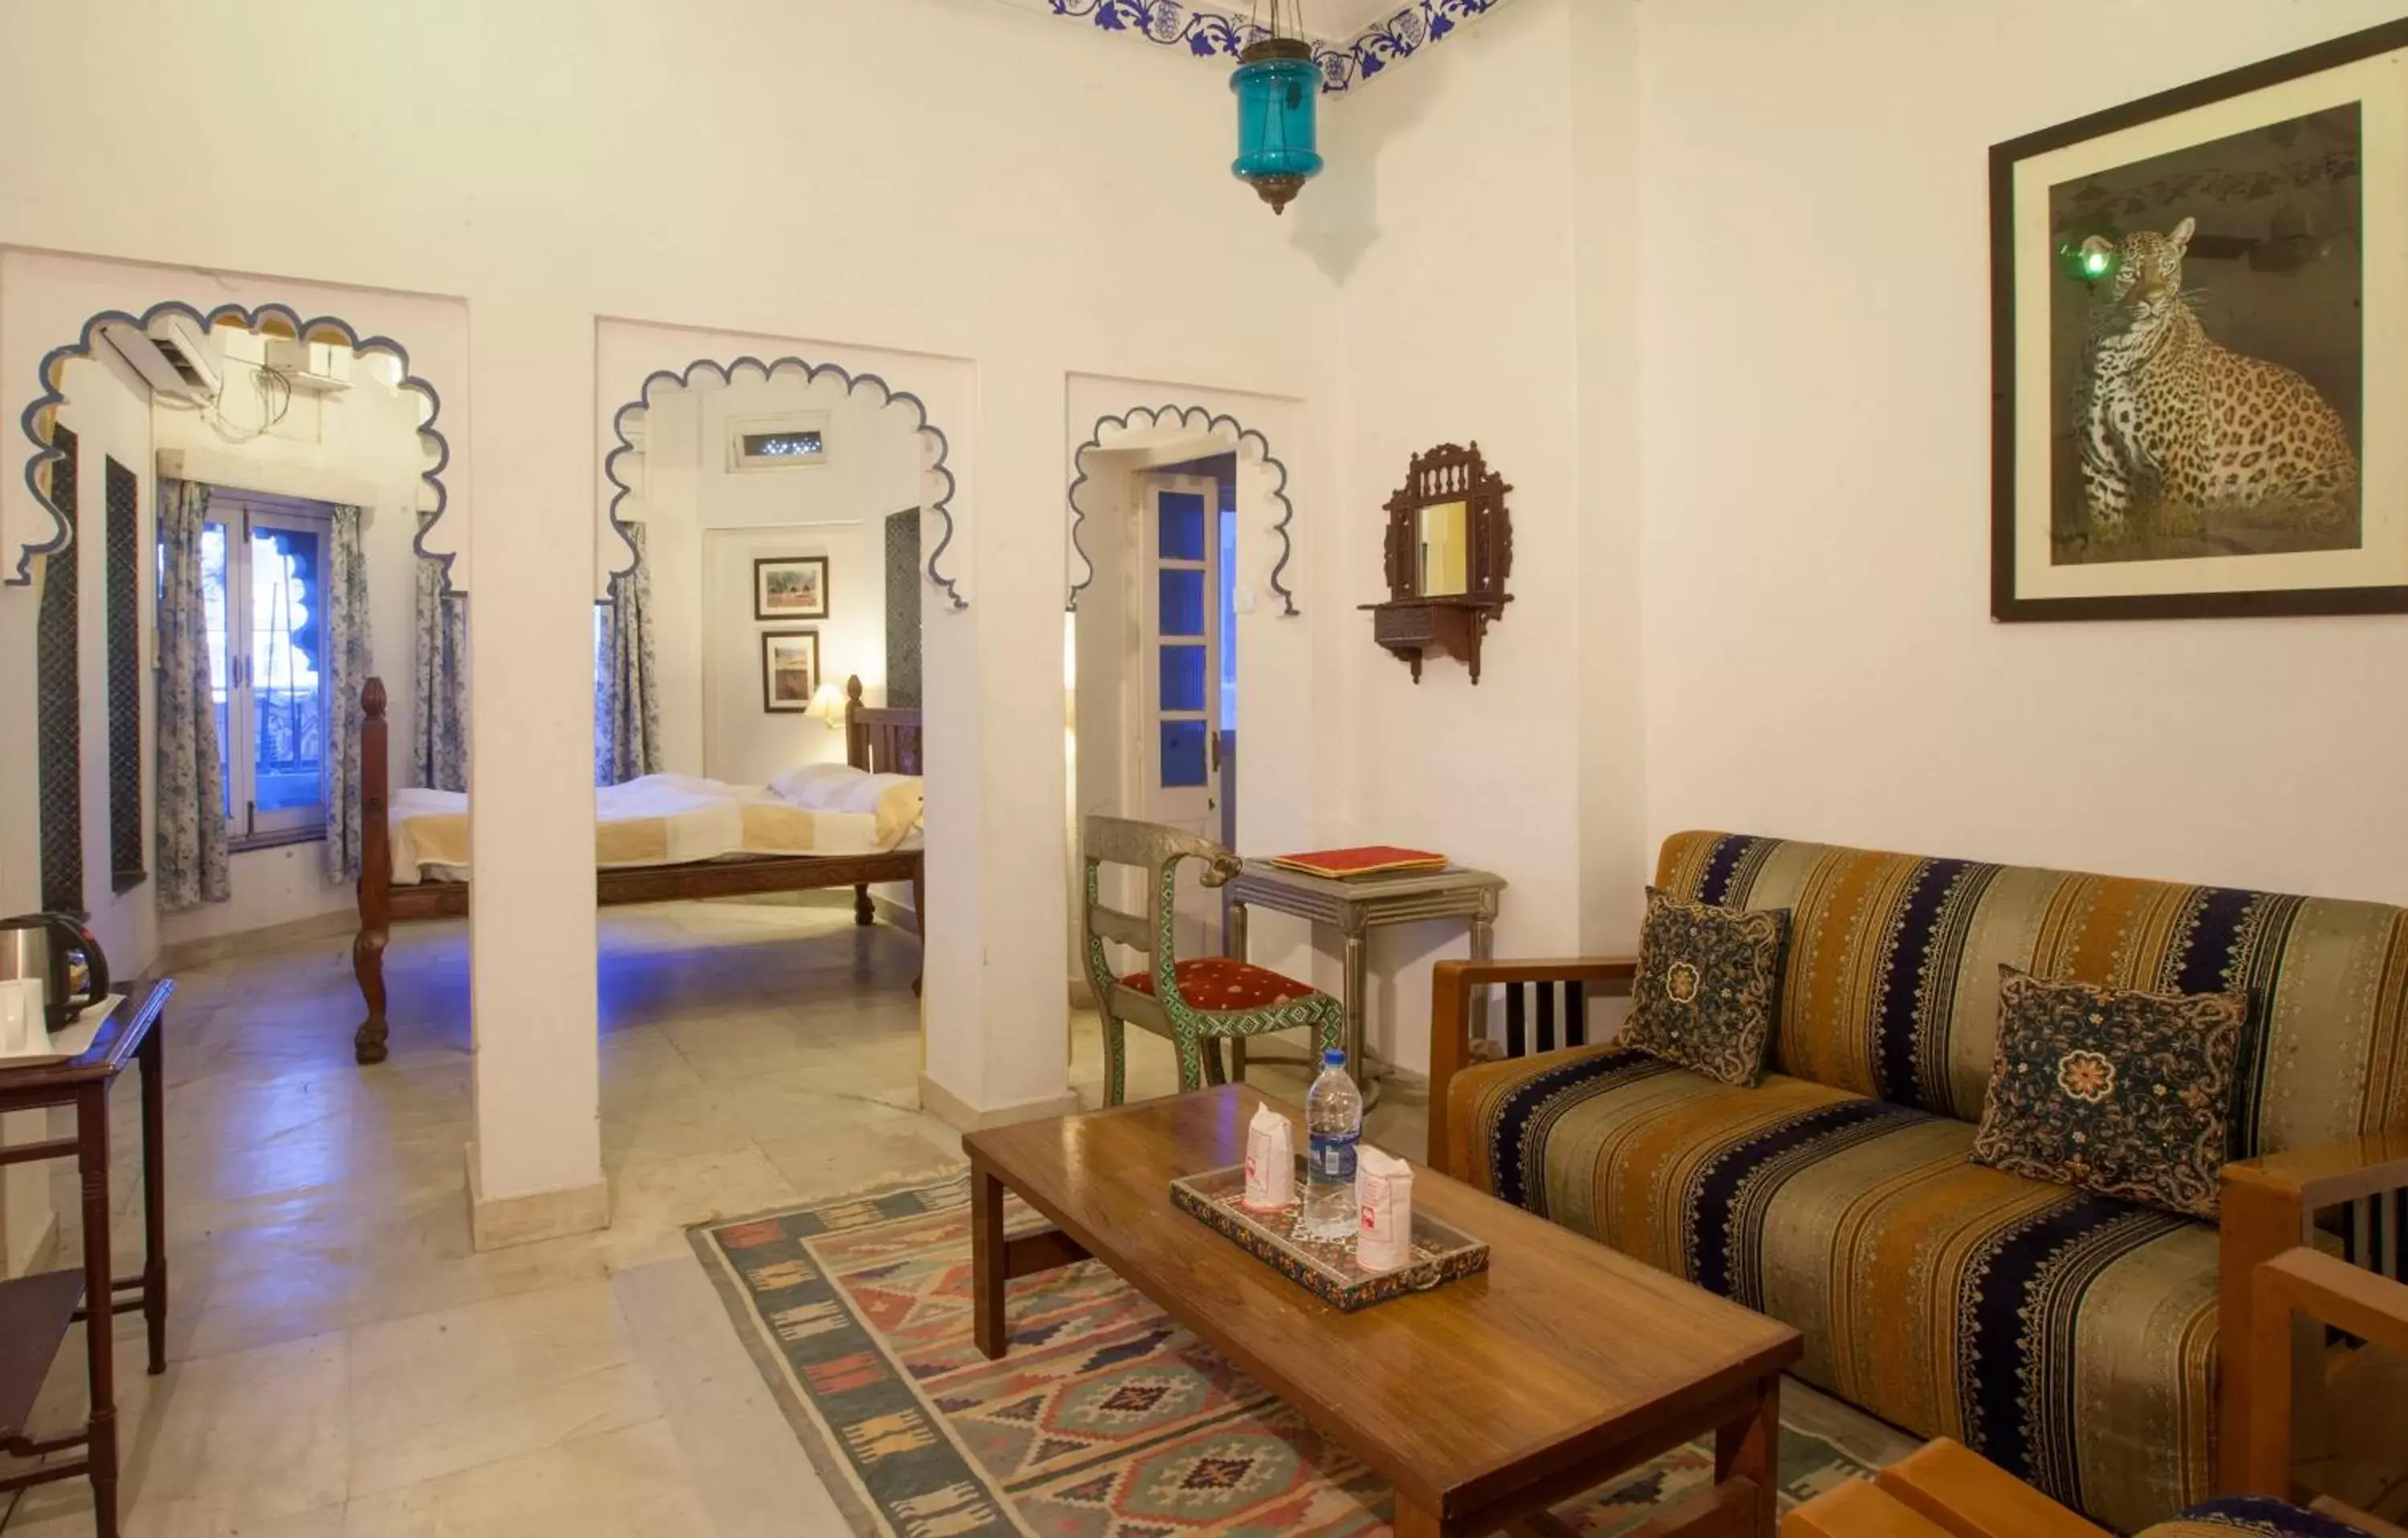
(1279, 99)
(828, 705)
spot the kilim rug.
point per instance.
(1107, 1421)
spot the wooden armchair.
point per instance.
(1198, 1002)
(1456, 1041)
(2272, 1210)
(1944, 1491)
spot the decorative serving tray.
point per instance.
(1324, 1267)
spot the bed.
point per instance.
(661, 839)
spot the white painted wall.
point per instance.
(1816, 418)
(706, 523)
(110, 411)
(1455, 223)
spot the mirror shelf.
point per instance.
(1449, 548)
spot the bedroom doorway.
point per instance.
(1155, 644)
(757, 762)
(1183, 525)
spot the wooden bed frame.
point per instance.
(883, 740)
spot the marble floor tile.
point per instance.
(655, 1200)
(434, 1394)
(742, 1044)
(261, 1433)
(417, 1260)
(629, 1483)
(753, 1476)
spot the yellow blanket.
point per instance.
(666, 819)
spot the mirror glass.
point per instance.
(1445, 532)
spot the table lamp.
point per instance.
(828, 706)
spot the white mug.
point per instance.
(23, 1027)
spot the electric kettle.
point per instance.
(59, 952)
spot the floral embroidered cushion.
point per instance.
(1222, 984)
(1708, 978)
(2120, 1092)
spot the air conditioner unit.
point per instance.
(318, 367)
(174, 355)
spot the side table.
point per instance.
(1356, 907)
(36, 1312)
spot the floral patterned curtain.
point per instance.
(626, 708)
(349, 662)
(438, 758)
(192, 815)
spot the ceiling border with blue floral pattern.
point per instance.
(1210, 34)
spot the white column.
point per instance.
(535, 1168)
(997, 1008)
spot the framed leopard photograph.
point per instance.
(2199, 303)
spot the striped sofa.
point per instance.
(2069, 1338)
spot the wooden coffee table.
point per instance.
(1484, 1403)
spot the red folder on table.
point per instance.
(1379, 859)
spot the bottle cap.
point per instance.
(1333, 1057)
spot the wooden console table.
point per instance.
(1355, 907)
(36, 1312)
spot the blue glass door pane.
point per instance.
(1183, 678)
(1182, 518)
(1183, 755)
(1183, 604)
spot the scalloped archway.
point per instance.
(1194, 419)
(941, 506)
(272, 319)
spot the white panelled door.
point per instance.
(1178, 674)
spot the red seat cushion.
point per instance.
(1222, 983)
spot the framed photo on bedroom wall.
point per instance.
(790, 670)
(790, 587)
(2199, 304)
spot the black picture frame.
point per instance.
(772, 701)
(766, 566)
(2007, 603)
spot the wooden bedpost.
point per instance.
(375, 875)
(857, 735)
(856, 753)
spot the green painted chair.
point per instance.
(1197, 1003)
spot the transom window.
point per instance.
(790, 441)
(802, 444)
(263, 578)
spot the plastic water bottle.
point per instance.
(1333, 1123)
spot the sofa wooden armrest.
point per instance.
(1452, 984)
(2269, 1209)
(2300, 1282)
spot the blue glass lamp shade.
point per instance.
(1278, 97)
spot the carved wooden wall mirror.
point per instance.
(1450, 547)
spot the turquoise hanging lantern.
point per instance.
(1279, 96)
